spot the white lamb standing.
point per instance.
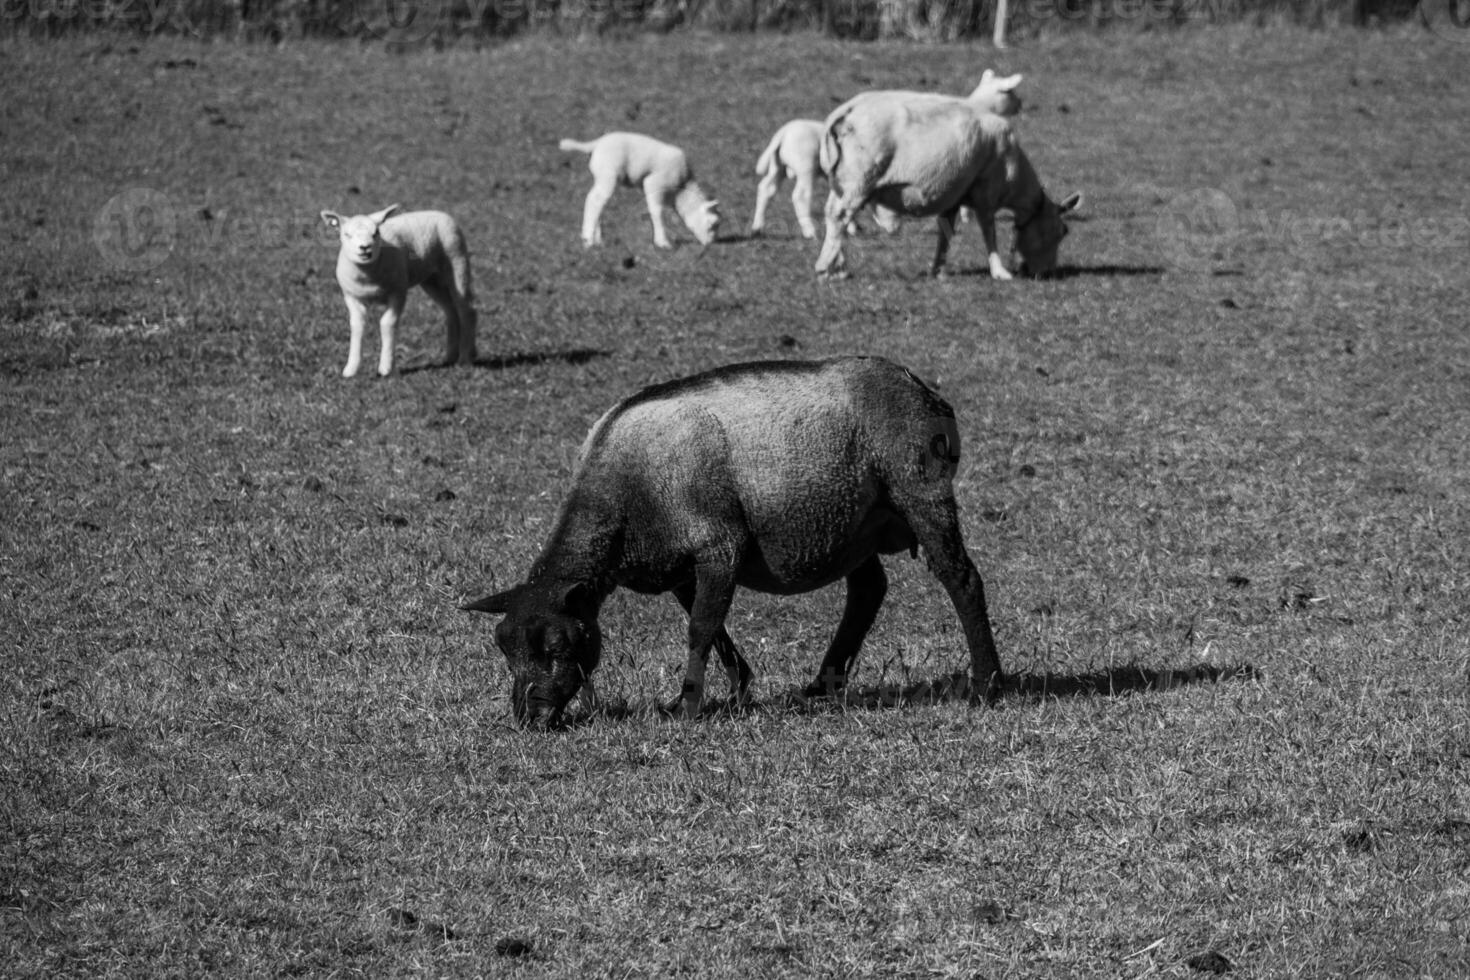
(383, 256)
(663, 172)
(793, 152)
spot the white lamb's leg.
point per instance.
(769, 185)
(839, 213)
(468, 321)
(655, 196)
(387, 327)
(597, 199)
(462, 296)
(986, 220)
(445, 299)
(357, 319)
(801, 200)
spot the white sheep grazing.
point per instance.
(795, 149)
(660, 169)
(383, 256)
(922, 154)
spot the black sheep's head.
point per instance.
(551, 643)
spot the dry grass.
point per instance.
(1214, 476)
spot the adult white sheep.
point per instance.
(662, 170)
(780, 476)
(923, 154)
(795, 152)
(385, 254)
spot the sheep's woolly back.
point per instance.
(926, 142)
(424, 233)
(795, 147)
(859, 395)
(633, 158)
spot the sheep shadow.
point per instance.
(949, 688)
(500, 362)
(1057, 274)
(1108, 270)
(1111, 682)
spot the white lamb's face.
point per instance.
(360, 239)
(706, 223)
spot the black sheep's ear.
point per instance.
(580, 599)
(497, 603)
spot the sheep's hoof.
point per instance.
(680, 707)
(989, 693)
(824, 689)
(833, 275)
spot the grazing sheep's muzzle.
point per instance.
(534, 709)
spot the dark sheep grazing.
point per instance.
(780, 476)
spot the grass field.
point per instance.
(1214, 475)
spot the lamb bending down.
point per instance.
(383, 256)
(663, 172)
(922, 154)
(782, 477)
(796, 148)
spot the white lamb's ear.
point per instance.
(711, 205)
(1008, 84)
(332, 218)
(985, 78)
(386, 213)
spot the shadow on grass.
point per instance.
(956, 687)
(1061, 272)
(499, 362)
(949, 688)
(1124, 680)
(1076, 271)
